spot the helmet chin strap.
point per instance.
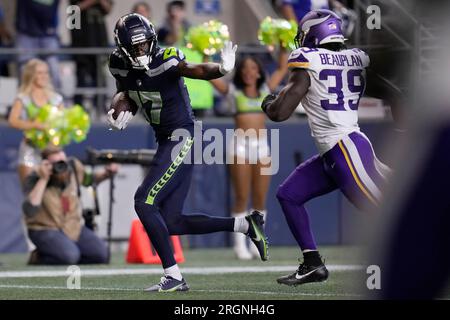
(141, 62)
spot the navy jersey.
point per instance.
(160, 92)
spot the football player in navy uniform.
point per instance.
(153, 78)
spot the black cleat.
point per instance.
(305, 274)
(257, 235)
(168, 284)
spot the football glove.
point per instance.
(228, 56)
(268, 100)
(122, 119)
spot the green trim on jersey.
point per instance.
(170, 52)
(170, 172)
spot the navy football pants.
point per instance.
(160, 198)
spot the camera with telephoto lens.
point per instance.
(143, 157)
(60, 167)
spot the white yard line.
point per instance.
(7, 286)
(158, 271)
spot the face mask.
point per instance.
(141, 62)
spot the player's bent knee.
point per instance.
(143, 208)
(174, 224)
(284, 195)
(102, 256)
(68, 257)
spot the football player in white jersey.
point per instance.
(329, 80)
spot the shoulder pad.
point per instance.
(363, 55)
(173, 52)
(301, 58)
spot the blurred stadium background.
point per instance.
(401, 43)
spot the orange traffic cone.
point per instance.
(140, 249)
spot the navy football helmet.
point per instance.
(136, 39)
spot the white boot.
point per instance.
(252, 248)
(240, 242)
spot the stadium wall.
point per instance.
(333, 219)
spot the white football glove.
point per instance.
(122, 119)
(228, 56)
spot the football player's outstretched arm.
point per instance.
(209, 71)
(202, 71)
(279, 108)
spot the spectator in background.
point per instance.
(53, 211)
(36, 24)
(92, 33)
(175, 26)
(249, 156)
(35, 91)
(296, 9)
(142, 8)
(5, 39)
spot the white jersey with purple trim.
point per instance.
(337, 84)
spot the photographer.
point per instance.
(53, 211)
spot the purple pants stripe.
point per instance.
(349, 166)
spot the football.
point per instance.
(122, 102)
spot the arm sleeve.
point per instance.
(28, 209)
(30, 182)
(85, 178)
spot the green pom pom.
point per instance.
(79, 123)
(274, 32)
(208, 38)
(64, 126)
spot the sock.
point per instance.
(240, 223)
(312, 258)
(174, 272)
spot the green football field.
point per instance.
(211, 274)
